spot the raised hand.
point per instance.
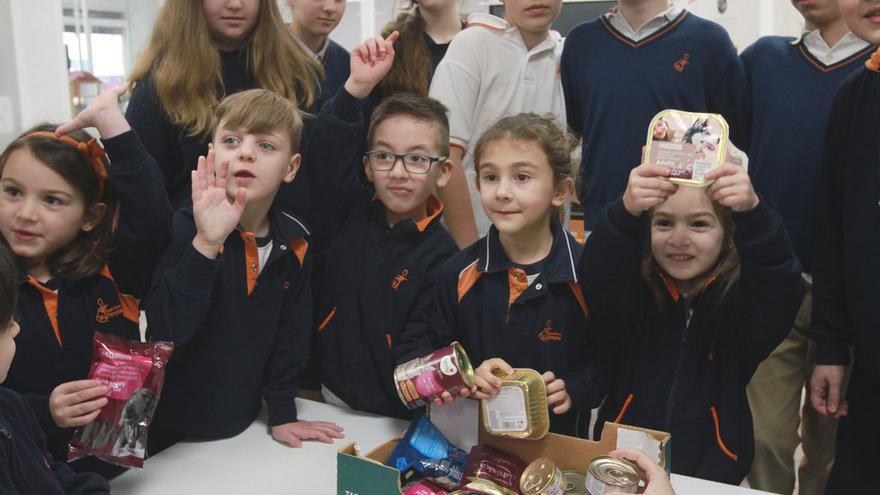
(215, 215)
(732, 188)
(648, 186)
(103, 113)
(370, 62)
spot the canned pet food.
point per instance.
(607, 474)
(575, 482)
(422, 380)
(542, 477)
(519, 410)
(689, 144)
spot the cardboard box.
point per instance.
(358, 474)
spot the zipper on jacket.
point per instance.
(673, 390)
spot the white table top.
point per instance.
(254, 463)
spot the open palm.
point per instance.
(215, 216)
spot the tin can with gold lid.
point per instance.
(575, 482)
(422, 380)
(689, 144)
(542, 477)
(606, 474)
(519, 410)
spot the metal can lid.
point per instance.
(614, 472)
(538, 476)
(575, 482)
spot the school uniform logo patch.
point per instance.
(682, 63)
(547, 334)
(106, 312)
(400, 278)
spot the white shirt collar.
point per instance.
(848, 46)
(496, 23)
(319, 56)
(659, 21)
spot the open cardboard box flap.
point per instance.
(368, 475)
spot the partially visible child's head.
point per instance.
(690, 242)
(530, 17)
(417, 128)
(257, 132)
(56, 212)
(524, 172)
(818, 13)
(316, 18)
(230, 22)
(863, 18)
(8, 298)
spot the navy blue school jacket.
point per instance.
(372, 280)
(614, 87)
(484, 302)
(846, 275)
(25, 466)
(684, 368)
(241, 335)
(791, 99)
(59, 318)
(337, 68)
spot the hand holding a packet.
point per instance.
(648, 186)
(732, 187)
(77, 403)
(557, 395)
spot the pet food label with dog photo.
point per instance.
(507, 410)
(689, 144)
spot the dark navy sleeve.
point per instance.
(332, 156)
(588, 382)
(290, 352)
(730, 97)
(570, 70)
(610, 267)
(144, 213)
(771, 289)
(182, 287)
(435, 325)
(831, 326)
(159, 135)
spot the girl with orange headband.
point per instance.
(86, 236)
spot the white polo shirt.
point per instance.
(848, 46)
(488, 73)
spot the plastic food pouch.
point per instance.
(492, 472)
(423, 488)
(134, 373)
(689, 144)
(425, 450)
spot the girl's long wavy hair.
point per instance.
(185, 65)
(90, 250)
(411, 72)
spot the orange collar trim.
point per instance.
(673, 288)
(434, 209)
(873, 63)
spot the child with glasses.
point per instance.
(377, 261)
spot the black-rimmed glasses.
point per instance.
(414, 163)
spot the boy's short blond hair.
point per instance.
(259, 111)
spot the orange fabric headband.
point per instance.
(91, 150)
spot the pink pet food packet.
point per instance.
(134, 373)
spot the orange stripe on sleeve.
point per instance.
(626, 403)
(718, 439)
(326, 321)
(467, 279)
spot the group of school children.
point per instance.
(288, 220)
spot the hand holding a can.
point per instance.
(447, 398)
(732, 187)
(557, 395)
(655, 477)
(486, 377)
(648, 186)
